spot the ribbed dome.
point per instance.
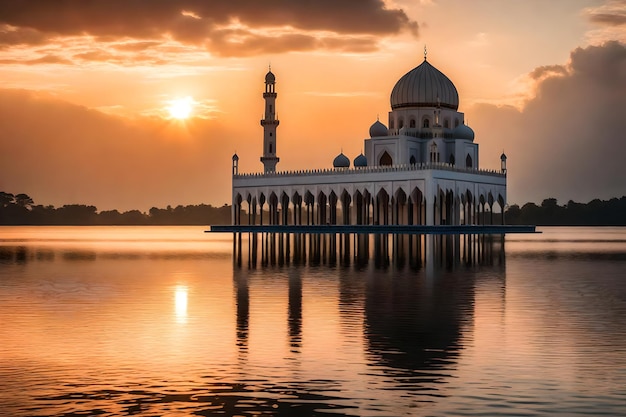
(270, 78)
(341, 161)
(463, 132)
(424, 86)
(378, 129)
(360, 161)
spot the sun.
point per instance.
(181, 108)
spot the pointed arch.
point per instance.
(385, 159)
(321, 208)
(468, 161)
(400, 206)
(416, 211)
(309, 200)
(358, 206)
(381, 208)
(261, 204)
(502, 204)
(346, 200)
(332, 205)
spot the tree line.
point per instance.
(20, 209)
(594, 213)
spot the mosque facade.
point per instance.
(420, 169)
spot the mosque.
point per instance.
(420, 169)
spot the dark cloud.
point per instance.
(225, 27)
(45, 59)
(20, 36)
(569, 141)
(616, 19)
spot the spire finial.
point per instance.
(425, 52)
(377, 117)
(269, 66)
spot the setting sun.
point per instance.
(180, 108)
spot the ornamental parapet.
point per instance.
(441, 166)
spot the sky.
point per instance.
(89, 91)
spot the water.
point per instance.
(171, 321)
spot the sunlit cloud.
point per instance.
(190, 14)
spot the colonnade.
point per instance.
(363, 208)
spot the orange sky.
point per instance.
(85, 90)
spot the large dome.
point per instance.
(424, 86)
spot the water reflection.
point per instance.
(311, 324)
(408, 295)
(180, 303)
(399, 251)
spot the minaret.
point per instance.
(269, 123)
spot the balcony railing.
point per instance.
(442, 166)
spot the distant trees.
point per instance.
(20, 209)
(595, 213)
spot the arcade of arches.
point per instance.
(363, 208)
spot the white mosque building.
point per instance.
(423, 169)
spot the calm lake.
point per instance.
(171, 321)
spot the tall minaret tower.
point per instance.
(269, 123)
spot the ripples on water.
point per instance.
(170, 321)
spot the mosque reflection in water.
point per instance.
(416, 292)
(400, 250)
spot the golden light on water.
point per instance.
(180, 303)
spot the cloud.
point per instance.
(542, 72)
(611, 13)
(233, 28)
(10, 35)
(568, 140)
(609, 19)
(61, 153)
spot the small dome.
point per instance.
(424, 86)
(463, 132)
(378, 129)
(360, 161)
(235, 157)
(503, 157)
(341, 161)
(270, 78)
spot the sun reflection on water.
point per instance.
(180, 303)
